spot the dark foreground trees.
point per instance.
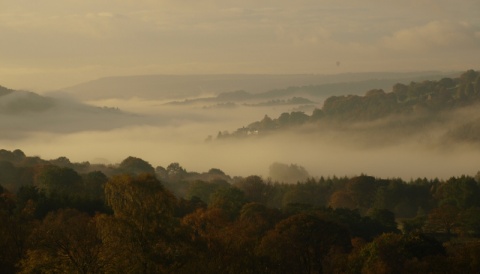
(135, 239)
(302, 243)
(66, 221)
(136, 236)
(66, 241)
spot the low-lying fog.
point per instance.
(171, 133)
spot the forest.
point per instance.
(239, 137)
(58, 216)
(409, 107)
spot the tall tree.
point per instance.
(254, 188)
(137, 236)
(65, 242)
(300, 243)
(135, 166)
(229, 199)
(58, 180)
(397, 253)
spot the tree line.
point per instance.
(63, 217)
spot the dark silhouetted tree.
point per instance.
(300, 243)
(135, 166)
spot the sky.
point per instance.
(50, 44)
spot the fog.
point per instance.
(162, 134)
(62, 43)
(112, 67)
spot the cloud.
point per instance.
(213, 36)
(435, 35)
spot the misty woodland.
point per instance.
(407, 110)
(60, 216)
(63, 217)
(239, 137)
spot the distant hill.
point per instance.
(5, 91)
(24, 111)
(407, 108)
(16, 102)
(174, 87)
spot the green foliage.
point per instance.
(204, 190)
(360, 226)
(135, 166)
(8, 173)
(396, 253)
(384, 217)
(414, 225)
(62, 162)
(185, 207)
(65, 241)
(57, 180)
(229, 199)
(12, 156)
(14, 231)
(460, 192)
(175, 171)
(469, 220)
(254, 189)
(288, 173)
(58, 223)
(137, 235)
(300, 243)
(12, 174)
(141, 199)
(464, 257)
(443, 219)
(94, 183)
(216, 171)
(469, 132)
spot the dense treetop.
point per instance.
(57, 216)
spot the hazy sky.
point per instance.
(47, 44)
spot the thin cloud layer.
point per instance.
(54, 44)
(436, 36)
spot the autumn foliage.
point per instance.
(62, 217)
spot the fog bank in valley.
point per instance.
(108, 130)
(179, 136)
(163, 145)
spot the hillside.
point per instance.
(175, 87)
(407, 108)
(16, 102)
(4, 91)
(24, 111)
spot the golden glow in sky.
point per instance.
(51, 44)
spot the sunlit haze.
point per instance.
(121, 78)
(48, 44)
(221, 136)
